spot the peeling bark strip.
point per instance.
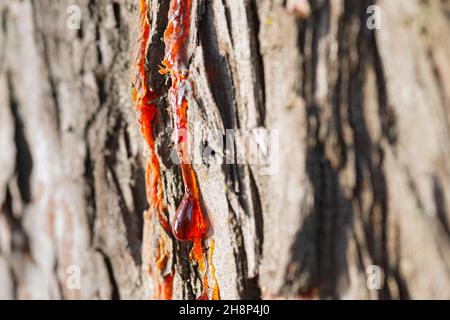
(190, 222)
(145, 100)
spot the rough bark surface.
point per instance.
(364, 149)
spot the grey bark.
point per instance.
(364, 149)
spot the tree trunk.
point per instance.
(359, 178)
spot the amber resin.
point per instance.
(145, 103)
(189, 223)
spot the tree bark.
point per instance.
(363, 171)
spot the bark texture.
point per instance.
(364, 149)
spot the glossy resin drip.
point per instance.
(189, 223)
(145, 102)
(215, 288)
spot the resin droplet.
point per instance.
(189, 223)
